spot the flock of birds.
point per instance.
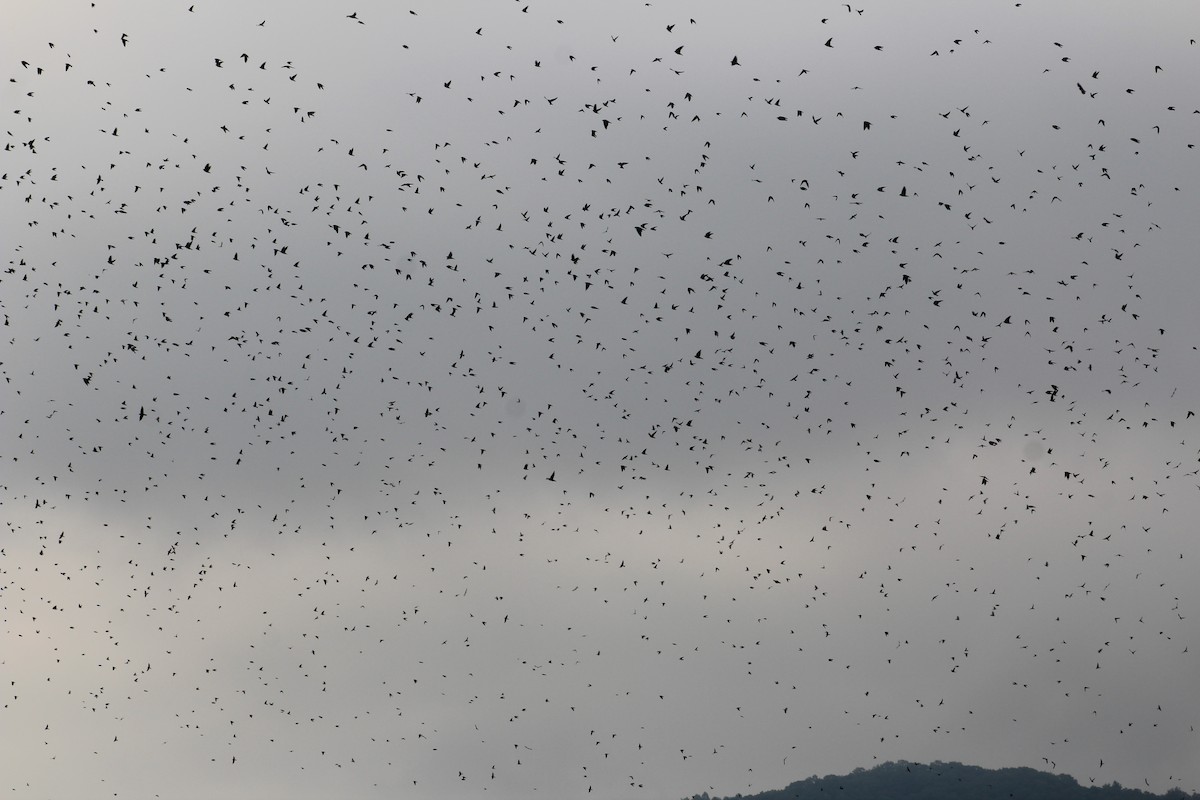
(518, 398)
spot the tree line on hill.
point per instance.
(903, 780)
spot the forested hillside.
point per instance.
(950, 781)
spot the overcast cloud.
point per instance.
(442, 399)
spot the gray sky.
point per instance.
(520, 399)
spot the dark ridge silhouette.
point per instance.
(902, 780)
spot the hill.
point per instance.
(938, 780)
